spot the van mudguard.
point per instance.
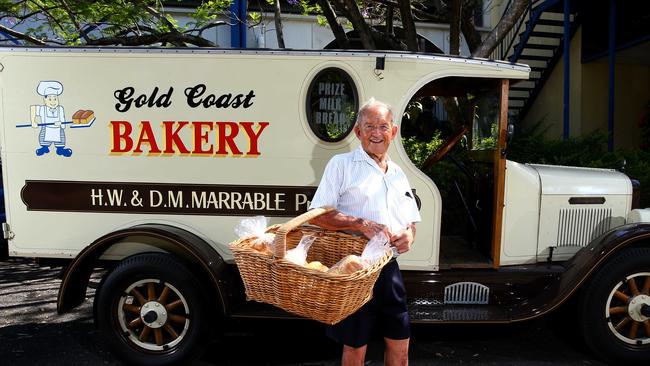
(75, 278)
(581, 267)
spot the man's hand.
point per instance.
(403, 239)
(370, 228)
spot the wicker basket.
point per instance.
(312, 294)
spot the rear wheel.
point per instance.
(616, 308)
(150, 311)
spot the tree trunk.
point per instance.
(278, 24)
(410, 34)
(337, 29)
(467, 26)
(454, 28)
(351, 11)
(390, 13)
(517, 8)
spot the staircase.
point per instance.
(538, 41)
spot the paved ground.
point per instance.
(31, 333)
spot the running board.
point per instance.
(423, 311)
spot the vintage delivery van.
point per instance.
(143, 161)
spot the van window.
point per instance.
(485, 119)
(332, 102)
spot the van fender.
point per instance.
(581, 267)
(74, 283)
(591, 258)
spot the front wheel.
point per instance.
(615, 320)
(150, 311)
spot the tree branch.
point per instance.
(73, 18)
(420, 14)
(278, 24)
(351, 11)
(514, 12)
(410, 34)
(163, 19)
(21, 35)
(337, 29)
(454, 27)
(467, 26)
(149, 39)
(390, 14)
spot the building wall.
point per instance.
(548, 107)
(632, 90)
(595, 97)
(632, 93)
(589, 104)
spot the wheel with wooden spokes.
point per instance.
(616, 304)
(150, 311)
(628, 309)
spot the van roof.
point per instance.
(267, 51)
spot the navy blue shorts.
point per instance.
(386, 312)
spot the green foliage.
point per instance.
(322, 21)
(447, 177)
(110, 22)
(486, 143)
(589, 150)
(418, 151)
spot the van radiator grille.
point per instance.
(466, 293)
(579, 226)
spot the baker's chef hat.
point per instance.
(46, 88)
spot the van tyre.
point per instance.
(150, 312)
(615, 317)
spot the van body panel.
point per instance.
(122, 173)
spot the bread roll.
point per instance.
(317, 266)
(347, 265)
(261, 247)
(264, 243)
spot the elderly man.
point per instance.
(371, 195)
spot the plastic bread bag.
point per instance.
(254, 228)
(298, 255)
(348, 265)
(375, 249)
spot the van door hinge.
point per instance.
(6, 231)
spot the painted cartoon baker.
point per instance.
(50, 116)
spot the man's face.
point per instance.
(52, 101)
(376, 130)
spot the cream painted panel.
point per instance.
(550, 235)
(520, 215)
(289, 153)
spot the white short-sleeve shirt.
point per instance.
(354, 184)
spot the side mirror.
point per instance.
(510, 132)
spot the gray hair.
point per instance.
(372, 102)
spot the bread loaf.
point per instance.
(347, 265)
(264, 243)
(261, 247)
(82, 117)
